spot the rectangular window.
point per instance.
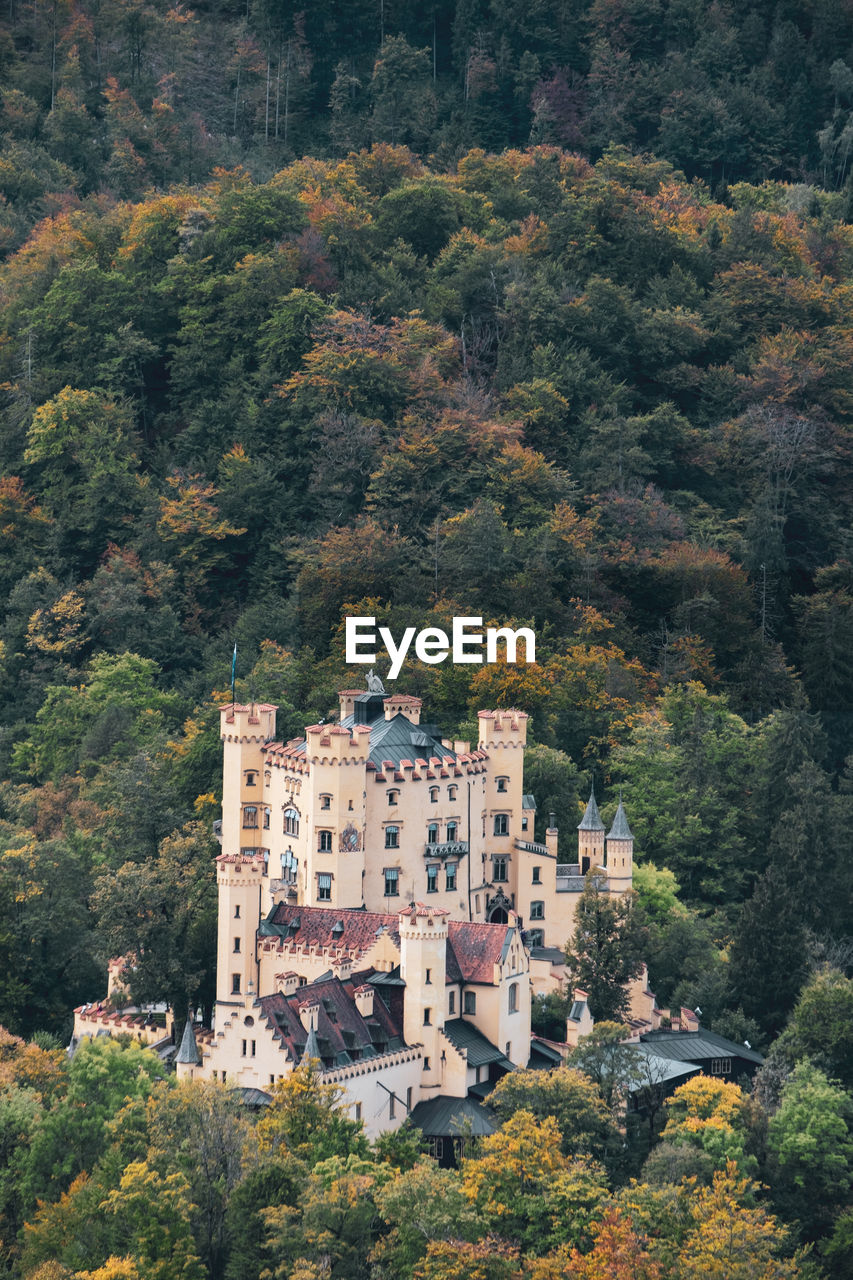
(237, 912)
(236, 945)
(324, 842)
(358, 1111)
(537, 911)
(426, 1064)
(499, 870)
(469, 1002)
(392, 877)
(324, 887)
(409, 1098)
(502, 784)
(450, 873)
(392, 837)
(427, 1017)
(536, 938)
(432, 879)
(325, 802)
(501, 824)
(451, 1002)
(537, 875)
(235, 984)
(266, 819)
(253, 1048)
(477, 903)
(244, 1048)
(428, 978)
(250, 816)
(524, 824)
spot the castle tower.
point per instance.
(241, 881)
(335, 812)
(503, 735)
(591, 837)
(620, 852)
(244, 731)
(423, 968)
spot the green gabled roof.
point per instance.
(445, 1117)
(591, 820)
(480, 1051)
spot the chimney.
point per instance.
(286, 984)
(364, 1000)
(309, 1014)
(689, 1021)
(342, 968)
(347, 699)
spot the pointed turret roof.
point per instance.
(592, 818)
(620, 829)
(188, 1052)
(312, 1047)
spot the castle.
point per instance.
(378, 810)
(383, 906)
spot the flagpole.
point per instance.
(233, 675)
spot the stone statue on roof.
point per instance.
(374, 683)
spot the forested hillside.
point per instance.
(538, 312)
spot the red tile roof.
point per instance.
(472, 952)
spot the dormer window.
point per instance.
(503, 784)
(325, 802)
(393, 797)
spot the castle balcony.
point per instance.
(533, 846)
(449, 849)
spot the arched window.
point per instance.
(393, 797)
(513, 997)
(392, 837)
(432, 833)
(291, 822)
(451, 832)
(250, 816)
(433, 795)
(451, 792)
